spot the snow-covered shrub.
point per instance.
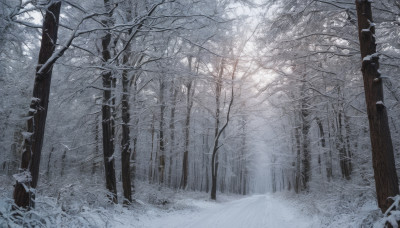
(391, 216)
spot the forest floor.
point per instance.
(154, 207)
(251, 212)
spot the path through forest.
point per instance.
(250, 212)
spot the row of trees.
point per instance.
(155, 85)
(165, 88)
(319, 91)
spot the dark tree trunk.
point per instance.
(329, 169)
(48, 163)
(161, 161)
(107, 115)
(344, 160)
(348, 146)
(108, 138)
(126, 118)
(325, 150)
(214, 173)
(125, 141)
(386, 181)
(23, 196)
(305, 128)
(133, 163)
(189, 104)
(172, 134)
(297, 181)
(185, 162)
(214, 158)
(207, 172)
(96, 148)
(151, 152)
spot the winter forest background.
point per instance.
(150, 100)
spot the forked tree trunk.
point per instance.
(27, 180)
(214, 156)
(386, 181)
(219, 131)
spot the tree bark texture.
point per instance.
(24, 188)
(297, 185)
(172, 130)
(125, 141)
(344, 158)
(386, 181)
(305, 129)
(107, 117)
(161, 158)
(214, 156)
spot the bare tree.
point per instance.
(219, 130)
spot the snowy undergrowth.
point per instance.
(88, 206)
(341, 206)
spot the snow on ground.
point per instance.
(79, 206)
(250, 212)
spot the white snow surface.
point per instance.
(248, 212)
(78, 206)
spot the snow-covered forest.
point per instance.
(187, 113)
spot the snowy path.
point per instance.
(259, 211)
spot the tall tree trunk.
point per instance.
(27, 180)
(174, 93)
(48, 162)
(185, 161)
(96, 148)
(325, 150)
(329, 169)
(107, 115)
(125, 141)
(214, 173)
(343, 158)
(152, 150)
(273, 181)
(214, 156)
(386, 181)
(161, 161)
(305, 128)
(189, 104)
(207, 162)
(297, 181)
(348, 146)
